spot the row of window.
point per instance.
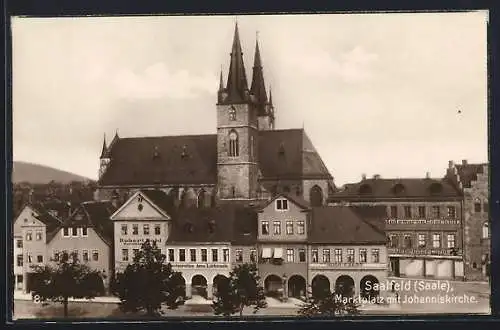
(85, 255)
(75, 232)
(57, 254)
(289, 227)
(29, 236)
(394, 240)
(421, 212)
(135, 229)
(478, 208)
(338, 256)
(182, 257)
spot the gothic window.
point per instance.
(232, 113)
(486, 230)
(201, 198)
(316, 196)
(233, 192)
(233, 144)
(477, 205)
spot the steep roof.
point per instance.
(94, 214)
(289, 153)
(51, 213)
(237, 85)
(160, 199)
(468, 173)
(218, 224)
(342, 225)
(192, 159)
(186, 159)
(374, 215)
(378, 188)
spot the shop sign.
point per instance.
(420, 252)
(200, 265)
(138, 241)
(422, 222)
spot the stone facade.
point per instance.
(237, 174)
(477, 228)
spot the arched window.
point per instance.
(232, 113)
(233, 144)
(201, 198)
(486, 230)
(316, 196)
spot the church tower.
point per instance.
(265, 110)
(237, 131)
(103, 159)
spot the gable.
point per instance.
(27, 218)
(139, 207)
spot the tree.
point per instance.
(325, 303)
(148, 282)
(68, 278)
(240, 290)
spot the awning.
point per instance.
(278, 253)
(266, 253)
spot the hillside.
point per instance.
(40, 174)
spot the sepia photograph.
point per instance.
(235, 166)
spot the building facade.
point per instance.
(247, 160)
(347, 254)
(282, 246)
(33, 228)
(423, 223)
(473, 180)
(87, 233)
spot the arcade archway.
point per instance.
(368, 287)
(320, 286)
(345, 286)
(297, 286)
(199, 286)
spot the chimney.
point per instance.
(451, 164)
(464, 162)
(427, 175)
(363, 176)
(376, 176)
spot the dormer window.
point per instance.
(232, 113)
(156, 153)
(281, 150)
(398, 189)
(189, 227)
(282, 204)
(184, 151)
(211, 226)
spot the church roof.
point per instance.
(192, 159)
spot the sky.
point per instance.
(397, 94)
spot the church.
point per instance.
(247, 161)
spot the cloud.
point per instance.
(158, 81)
(352, 66)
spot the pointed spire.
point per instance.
(258, 88)
(221, 82)
(270, 97)
(116, 134)
(237, 85)
(104, 147)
